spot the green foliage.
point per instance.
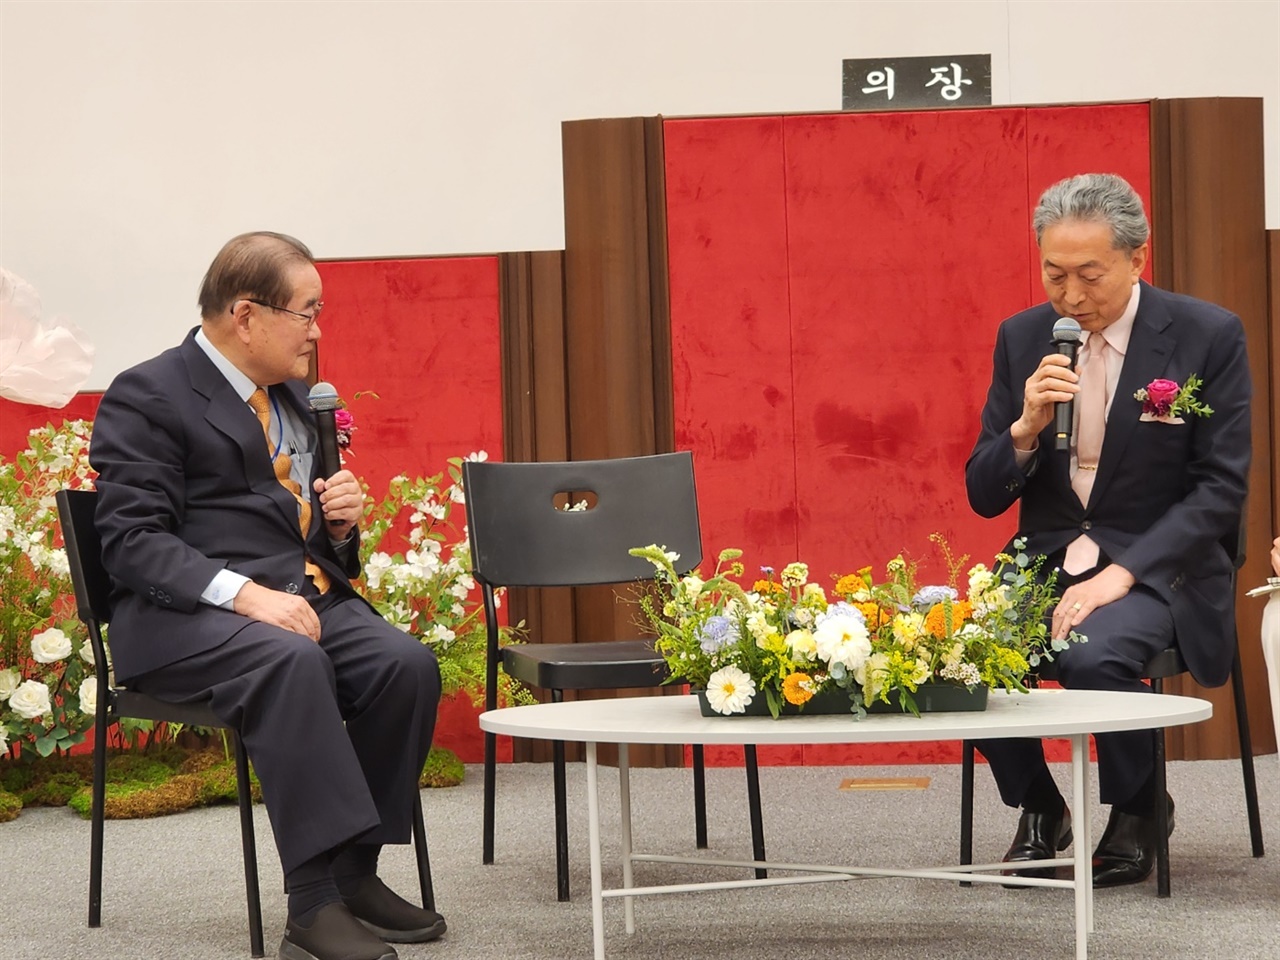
(1186, 402)
(10, 806)
(416, 571)
(442, 769)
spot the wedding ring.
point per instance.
(1075, 606)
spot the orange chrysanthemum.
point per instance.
(768, 586)
(875, 615)
(797, 688)
(850, 583)
(935, 621)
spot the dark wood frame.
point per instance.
(1210, 242)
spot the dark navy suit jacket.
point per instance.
(1167, 499)
(185, 489)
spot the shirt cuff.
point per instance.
(222, 589)
(1024, 457)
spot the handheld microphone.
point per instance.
(324, 400)
(1066, 340)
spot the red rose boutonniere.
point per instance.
(1164, 401)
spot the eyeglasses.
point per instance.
(310, 318)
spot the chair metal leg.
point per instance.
(490, 751)
(966, 805)
(1246, 756)
(562, 816)
(245, 794)
(699, 797)
(422, 855)
(753, 802)
(562, 822)
(97, 815)
(1162, 816)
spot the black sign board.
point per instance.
(906, 82)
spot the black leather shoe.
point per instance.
(1127, 851)
(390, 916)
(1040, 836)
(334, 934)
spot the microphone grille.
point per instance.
(1064, 329)
(323, 396)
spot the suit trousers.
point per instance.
(1123, 637)
(337, 731)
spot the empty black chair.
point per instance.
(93, 590)
(1167, 663)
(521, 536)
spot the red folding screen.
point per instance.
(836, 282)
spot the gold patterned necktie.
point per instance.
(282, 464)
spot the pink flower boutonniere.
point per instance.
(346, 426)
(1164, 401)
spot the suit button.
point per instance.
(1087, 525)
(1013, 486)
(291, 588)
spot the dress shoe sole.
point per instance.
(421, 935)
(291, 951)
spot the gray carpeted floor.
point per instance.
(174, 886)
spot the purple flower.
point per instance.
(767, 571)
(718, 632)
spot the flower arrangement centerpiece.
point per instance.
(47, 689)
(863, 644)
(418, 577)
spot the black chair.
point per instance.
(1168, 663)
(522, 536)
(93, 589)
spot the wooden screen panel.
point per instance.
(905, 251)
(730, 331)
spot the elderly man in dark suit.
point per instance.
(1135, 513)
(230, 553)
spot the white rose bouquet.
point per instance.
(47, 687)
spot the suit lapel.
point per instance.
(230, 415)
(1146, 359)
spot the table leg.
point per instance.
(1082, 879)
(593, 834)
(1087, 819)
(624, 797)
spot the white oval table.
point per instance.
(1066, 714)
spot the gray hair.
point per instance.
(1095, 197)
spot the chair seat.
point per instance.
(585, 666)
(139, 706)
(1167, 663)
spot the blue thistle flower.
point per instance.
(717, 633)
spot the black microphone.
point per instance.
(324, 400)
(1066, 340)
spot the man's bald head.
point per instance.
(251, 266)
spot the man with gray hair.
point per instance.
(231, 553)
(1137, 508)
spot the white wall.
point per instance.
(136, 137)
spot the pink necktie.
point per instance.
(1091, 401)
